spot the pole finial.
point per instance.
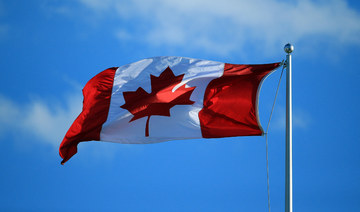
(288, 48)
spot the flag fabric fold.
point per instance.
(168, 98)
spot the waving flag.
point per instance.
(168, 98)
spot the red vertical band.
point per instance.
(87, 126)
(230, 102)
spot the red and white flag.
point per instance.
(168, 98)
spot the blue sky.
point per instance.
(51, 48)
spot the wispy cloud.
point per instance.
(39, 118)
(123, 34)
(47, 125)
(301, 119)
(227, 25)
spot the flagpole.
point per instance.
(288, 146)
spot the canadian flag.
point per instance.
(168, 98)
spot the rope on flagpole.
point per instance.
(266, 136)
(276, 94)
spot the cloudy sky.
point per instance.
(51, 48)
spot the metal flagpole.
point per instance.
(288, 146)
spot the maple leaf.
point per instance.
(161, 99)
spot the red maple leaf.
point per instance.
(160, 100)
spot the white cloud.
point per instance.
(122, 34)
(227, 25)
(8, 114)
(98, 5)
(301, 119)
(48, 124)
(38, 118)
